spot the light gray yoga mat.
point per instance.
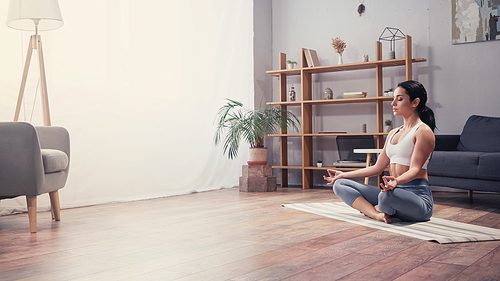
(439, 230)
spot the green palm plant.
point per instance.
(235, 122)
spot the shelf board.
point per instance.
(314, 168)
(287, 167)
(344, 67)
(331, 168)
(326, 135)
(284, 135)
(295, 71)
(345, 134)
(289, 103)
(332, 101)
(352, 100)
(336, 168)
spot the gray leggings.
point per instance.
(411, 201)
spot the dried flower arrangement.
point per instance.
(339, 45)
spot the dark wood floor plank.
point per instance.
(390, 246)
(400, 263)
(332, 258)
(467, 253)
(487, 268)
(434, 271)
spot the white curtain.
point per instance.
(137, 84)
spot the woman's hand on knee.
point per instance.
(389, 183)
(333, 176)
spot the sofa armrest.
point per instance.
(21, 167)
(446, 142)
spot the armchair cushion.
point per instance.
(54, 160)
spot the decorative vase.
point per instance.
(392, 55)
(258, 156)
(291, 94)
(328, 94)
(341, 61)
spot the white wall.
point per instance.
(460, 79)
(263, 59)
(137, 84)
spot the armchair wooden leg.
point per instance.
(31, 202)
(54, 204)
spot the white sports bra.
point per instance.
(401, 152)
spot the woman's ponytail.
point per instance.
(427, 116)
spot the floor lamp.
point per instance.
(34, 15)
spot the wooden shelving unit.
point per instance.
(306, 105)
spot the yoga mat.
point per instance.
(436, 229)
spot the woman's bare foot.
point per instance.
(383, 217)
(369, 210)
(387, 218)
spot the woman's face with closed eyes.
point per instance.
(401, 104)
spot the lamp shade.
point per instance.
(25, 14)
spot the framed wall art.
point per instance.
(475, 20)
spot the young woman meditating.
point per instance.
(405, 194)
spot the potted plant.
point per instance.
(339, 45)
(388, 125)
(291, 64)
(389, 92)
(319, 163)
(235, 122)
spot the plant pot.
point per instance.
(388, 128)
(319, 164)
(290, 65)
(258, 156)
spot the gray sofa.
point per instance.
(470, 160)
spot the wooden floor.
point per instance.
(228, 235)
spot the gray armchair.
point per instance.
(33, 161)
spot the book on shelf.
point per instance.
(308, 57)
(314, 57)
(351, 95)
(311, 57)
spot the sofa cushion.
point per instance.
(489, 166)
(54, 160)
(459, 164)
(480, 133)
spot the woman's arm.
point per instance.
(375, 170)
